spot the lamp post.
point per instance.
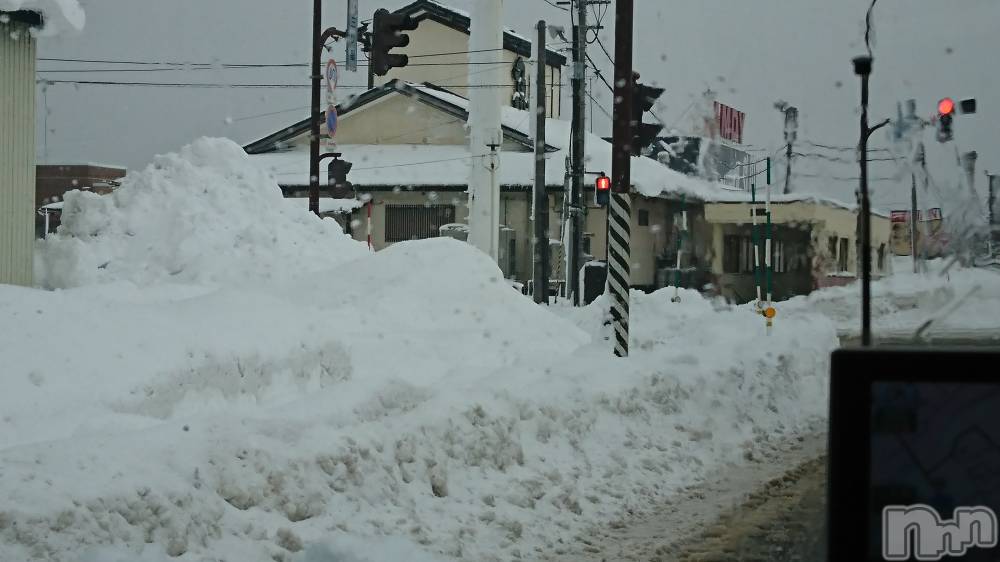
(863, 68)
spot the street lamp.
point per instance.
(863, 68)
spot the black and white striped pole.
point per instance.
(620, 208)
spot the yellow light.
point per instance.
(769, 312)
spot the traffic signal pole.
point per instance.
(619, 210)
(319, 39)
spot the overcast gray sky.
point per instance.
(751, 52)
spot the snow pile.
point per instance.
(961, 301)
(403, 404)
(203, 215)
(57, 15)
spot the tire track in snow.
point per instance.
(765, 510)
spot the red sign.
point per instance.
(730, 122)
(904, 216)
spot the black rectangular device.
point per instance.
(914, 433)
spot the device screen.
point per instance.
(936, 445)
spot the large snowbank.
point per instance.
(185, 399)
(407, 396)
(57, 15)
(202, 215)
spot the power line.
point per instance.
(239, 65)
(279, 112)
(555, 6)
(840, 158)
(601, 45)
(600, 74)
(171, 84)
(288, 173)
(842, 148)
(222, 85)
(599, 106)
(841, 178)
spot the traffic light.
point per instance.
(602, 190)
(643, 98)
(387, 29)
(945, 115)
(337, 177)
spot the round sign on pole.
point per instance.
(331, 111)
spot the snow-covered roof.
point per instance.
(739, 196)
(448, 165)
(57, 15)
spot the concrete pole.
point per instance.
(913, 222)
(578, 151)
(315, 76)
(620, 207)
(540, 208)
(485, 134)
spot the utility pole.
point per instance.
(619, 210)
(863, 68)
(905, 128)
(913, 222)
(791, 133)
(577, 150)
(317, 46)
(485, 134)
(540, 208)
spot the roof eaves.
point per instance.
(274, 140)
(29, 17)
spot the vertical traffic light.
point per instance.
(387, 29)
(945, 115)
(602, 190)
(337, 177)
(643, 98)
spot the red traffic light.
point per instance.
(946, 106)
(603, 183)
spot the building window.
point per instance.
(737, 254)
(831, 247)
(415, 222)
(778, 256)
(844, 253)
(643, 217)
(881, 257)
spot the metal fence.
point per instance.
(415, 222)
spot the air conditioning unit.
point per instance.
(456, 230)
